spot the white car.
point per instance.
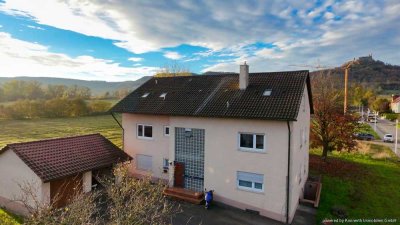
(388, 138)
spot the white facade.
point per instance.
(14, 174)
(395, 107)
(224, 158)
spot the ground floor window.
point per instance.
(250, 181)
(144, 162)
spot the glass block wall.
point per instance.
(189, 150)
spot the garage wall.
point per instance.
(14, 171)
(87, 181)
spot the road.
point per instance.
(386, 127)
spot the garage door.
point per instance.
(62, 191)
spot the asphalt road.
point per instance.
(383, 127)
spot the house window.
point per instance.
(251, 142)
(144, 131)
(144, 162)
(166, 130)
(250, 181)
(145, 95)
(165, 163)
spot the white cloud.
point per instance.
(21, 58)
(144, 26)
(172, 55)
(35, 27)
(135, 59)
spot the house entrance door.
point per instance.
(179, 175)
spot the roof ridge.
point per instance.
(53, 139)
(229, 74)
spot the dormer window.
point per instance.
(145, 95)
(163, 95)
(267, 92)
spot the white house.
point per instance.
(54, 169)
(395, 104)
(245, 136)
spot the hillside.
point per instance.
(96, 87)
(371, 73)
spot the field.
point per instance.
(13, 131)
(363, 184)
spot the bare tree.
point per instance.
(137, 201)
(172, 70)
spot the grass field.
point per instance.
(365, 183)
(13, 131)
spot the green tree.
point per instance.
(33, 90)
(99, 106)
(77, 107)
(381, 105)
(55, 91)
(172, 70)
(14, 90)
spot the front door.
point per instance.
(179, 175)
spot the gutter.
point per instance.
(123, 131)
(288, 175)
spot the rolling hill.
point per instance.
(97, 87)
(384, 78)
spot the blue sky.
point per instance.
(125, 40)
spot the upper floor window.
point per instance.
(252, 142)
(144, 131)
(166, 130)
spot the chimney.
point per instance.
(244, 76)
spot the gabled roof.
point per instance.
(57, 158)
(220, 96)
(396, 100)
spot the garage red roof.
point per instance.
(56, 158)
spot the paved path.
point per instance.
(386, 127)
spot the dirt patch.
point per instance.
(336, 167)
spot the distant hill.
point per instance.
(97, 87)
(369, 72)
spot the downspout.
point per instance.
(288, 175)
(123, 131)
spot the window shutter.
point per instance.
(144, 162)
(253, 177)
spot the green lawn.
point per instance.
(8, 218)
(368, 186)
(13, 131)
(366, 128)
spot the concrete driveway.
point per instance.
(222, 214)
(386, 127)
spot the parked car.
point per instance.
(388, 138)
(373, 120)
(365, 136)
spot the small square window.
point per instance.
(166, 130)
(165, 163)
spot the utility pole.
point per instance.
(395, 138)
(346, 80)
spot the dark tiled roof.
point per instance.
(220, 96)
(56, 158)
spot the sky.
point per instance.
(118, 40)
